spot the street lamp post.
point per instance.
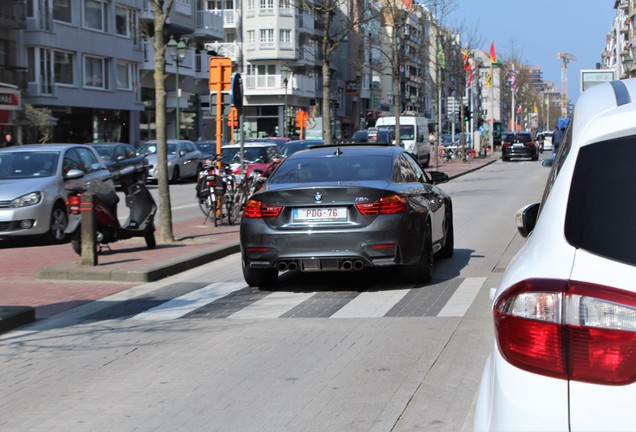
(177, 51)
(286, 73)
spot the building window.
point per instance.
(262, 76)
(95, 15)
(251, 40)
(266, 8)
(266, 40)
(4, 52)
(95, 75)
(285, 39)
(124, 76)
(63, 68)
(62, 11)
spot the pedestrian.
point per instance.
(557, 137)
(7, 140)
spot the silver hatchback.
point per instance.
(33, 186)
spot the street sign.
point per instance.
(220, 74)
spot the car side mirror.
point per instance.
(438, 177)
(74, 174)
(526, 219)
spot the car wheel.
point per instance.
(76, 241)
(449, 247)
(259, 277)
(59, 222)
(422, 271)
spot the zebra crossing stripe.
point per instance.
(371, 304)
(272, 306)
(462, 298)
(180, 306)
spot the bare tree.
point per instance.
(339, 19)
(161, 10)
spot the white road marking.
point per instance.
(272, 306)
(180, 306)
(463, 297)
(371, 304)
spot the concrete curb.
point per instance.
(148, 274)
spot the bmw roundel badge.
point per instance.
(318, 197)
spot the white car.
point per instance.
(564, 352)
(547, 140)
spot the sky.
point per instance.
(538, 30)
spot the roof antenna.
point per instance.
(338, 151)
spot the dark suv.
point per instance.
(518, 145)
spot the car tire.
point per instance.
(449, 247)
(175, 174)
(427, 162)
(259, 277)
(59, 222)
(422, 271)
(76, 241)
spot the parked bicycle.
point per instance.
(218, 193)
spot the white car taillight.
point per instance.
(569, 330)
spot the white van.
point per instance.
(413, 134)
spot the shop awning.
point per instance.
(10, 97)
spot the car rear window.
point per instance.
(329, 169)
(521, 138)
(601, 207)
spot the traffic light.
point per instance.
(467, 113)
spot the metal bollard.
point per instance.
(89, 245)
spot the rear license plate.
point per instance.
(321, 214)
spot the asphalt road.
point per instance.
(348, 352)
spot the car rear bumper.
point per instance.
(518, 152)
(383, 243)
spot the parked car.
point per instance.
(292, 147)
(33, 186)
(257, 156)
(565, 310)
(346, 208)
(184, 159)
(118, 155)
(207, 148)
(279, 141)
(518, 145)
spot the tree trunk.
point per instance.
(165, 208)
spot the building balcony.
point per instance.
(226, 49)
(13, 75)
(231, 19)
(13, 15)
(210, 24)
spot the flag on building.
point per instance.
(493, 54)
(489, 78)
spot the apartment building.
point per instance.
(12, 75)
(91, 63)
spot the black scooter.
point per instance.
(140, 222)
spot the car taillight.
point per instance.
(506, 143)
(569, 330)
(530, 144)
(255, 209)
(73, 202)
(386, 205)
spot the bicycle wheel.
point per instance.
(206, 205)
(217, 212)
(229, 209)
